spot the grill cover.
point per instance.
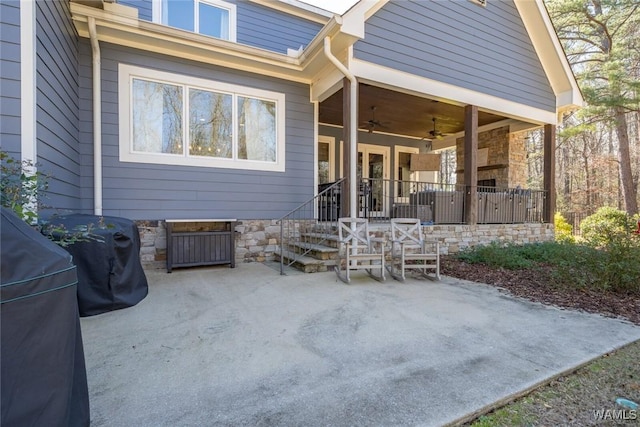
(44, 380)
(110, 276)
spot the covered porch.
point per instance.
(429, 158)
(389, 152)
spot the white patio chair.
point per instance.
(357, 249)
(409, 250)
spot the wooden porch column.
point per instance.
(471, 164)
(345, 202)
(549, 179)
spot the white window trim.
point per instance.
(396, 165)
(125, 75)
(332, 154)
(156, 15)
(397, 149)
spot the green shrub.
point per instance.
(564, 230)
(606, 225)
(614, 267)
(20, 189)
(510, 257)
(621, 266)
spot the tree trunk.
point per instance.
(566, 178)
(624, 159)
(587, 177)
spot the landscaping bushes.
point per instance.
(564, 230)
(605, 226)
(608, 259)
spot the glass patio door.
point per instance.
(373, 176)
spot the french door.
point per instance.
(373, 176)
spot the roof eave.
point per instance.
(554, 61)
(299, 9)
(120, 25)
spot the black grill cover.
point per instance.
(44, 380)
(110, 276)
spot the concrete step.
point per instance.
(306, 264)
(325, 227)
(315, 250)
(327, 240)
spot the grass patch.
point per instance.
(575, 399)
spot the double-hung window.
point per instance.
(172, 119)
(214, 18)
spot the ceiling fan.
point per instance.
(372, 123)
(434, 133)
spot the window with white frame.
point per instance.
(172, 119)
(214, 18)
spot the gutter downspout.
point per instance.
(353, 130)
(97, 119)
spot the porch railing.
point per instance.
(314, 219)
(381, 199)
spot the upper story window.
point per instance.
(214, 18)
(172, 119)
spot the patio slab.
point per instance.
(246, 346)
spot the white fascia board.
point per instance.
(297, 8)
(428, 88)
(569, 100)
(354, 18)
(123, 29)
(550, 52)
(126, 31)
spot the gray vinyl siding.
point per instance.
(154, 191)
(145, 8)
(272, 30)
(257, 25)
(457, 42)
(10, 78)
(57, 104)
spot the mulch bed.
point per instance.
(535, 285)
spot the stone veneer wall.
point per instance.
(256, 240)
(518, 171)
(457, 237)
(506, 154)
(153, 244)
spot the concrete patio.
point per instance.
(246, 346)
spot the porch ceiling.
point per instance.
(401, 113)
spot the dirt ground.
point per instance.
(534, 285)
